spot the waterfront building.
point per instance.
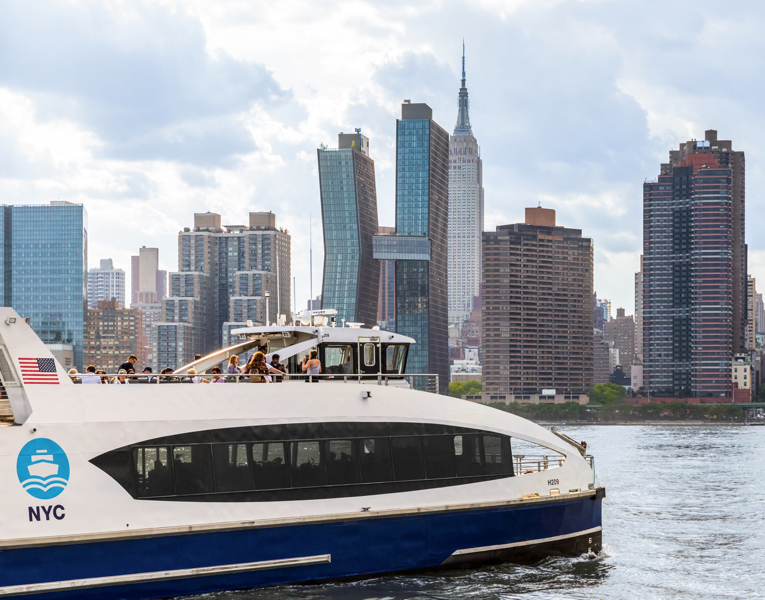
(420, 244)
(741, 372)
(621, 332)
(227, 275)
(537, 292)
(349, 217)
(751, 313)
(639, 316)
(106, 283)
(605, 357)
(466, 211)
(111, 335)
(386, 298)
(694, 293)
(44, 250)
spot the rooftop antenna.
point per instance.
(463, 62)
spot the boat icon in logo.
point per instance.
(43, 468)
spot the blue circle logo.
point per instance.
(43, 468)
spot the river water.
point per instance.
(684, 518)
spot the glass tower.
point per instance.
(45, 274)
(422, 212)
(349, 215)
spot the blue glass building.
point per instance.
(45, 272)
(420, 246)
(349, 216)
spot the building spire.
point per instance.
(463, 117)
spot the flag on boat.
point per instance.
(38, 370)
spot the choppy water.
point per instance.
(684, 517)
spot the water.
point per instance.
(684, 517)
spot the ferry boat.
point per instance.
(164, 488)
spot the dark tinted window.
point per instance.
(496, 451)
(192, 467)
(232, 469)
(154, 472)
(407, 459)
(375, 460)
(439, 456)
(307, 467)
(270, 466)
(467, 456)
(342, 462)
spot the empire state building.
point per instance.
(465, 212)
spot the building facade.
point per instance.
(386, 299)
(227, 275)
(420, 245)
(146, 276)
(111, 335)
(621, 332)
(349, 217)
(106, 283)
(751, 313)
(639, 316)
(605, 357)
(537, 295)
(44, 253)
(692, 222)
(466, 212)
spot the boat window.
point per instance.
(270, 466)
(155, 477)
(439, 456)
(394, 358)
(369, 355)
(342, 462)
(375, 461)
(192, 467)
(338, 360)
(307, 468)
(467, 456)
(232, 469)
(497, 457)
(407, 458)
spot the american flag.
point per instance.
(38, 370)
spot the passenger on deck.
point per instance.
(121, 378)
(194, 378)
(278, 366)
(91, 376)
(73, 376)
(167, 371)
(259, 369)
(312, 365)
(197, 357)
(129, 364)
(148, 371)
(217, 379)
(102, 373)
(233, 368)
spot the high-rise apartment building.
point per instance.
(639, 314)
(621, 332)
(694, 296)
(227, 275)
(605, 358)
(465, 212)
(537, 308)
(349, 216)
(420, 244)
(146, 276)
(759, 314)
(751, 313)
(386, 299)
(106, 283)
(111, 335)
(44, 250)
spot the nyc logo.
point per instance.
(42, 468)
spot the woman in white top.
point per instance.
(121, 377)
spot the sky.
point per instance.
(147, 112)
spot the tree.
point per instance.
(607, 393)
(457, 389)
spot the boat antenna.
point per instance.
(310, 258)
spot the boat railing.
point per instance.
(426, 381)
(534, 463)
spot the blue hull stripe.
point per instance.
(357, 547)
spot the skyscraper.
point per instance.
(112, 334)
(751, 313)
(146, 276)
(44, 253)
(621, 331)
(106, 283)
(465, 212)
(639, 313)
(349, 216)
(386, 299)
(693, 228)
(537, 308)
(225, 273)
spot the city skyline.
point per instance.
(574, 114)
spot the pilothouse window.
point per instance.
(395, 354)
